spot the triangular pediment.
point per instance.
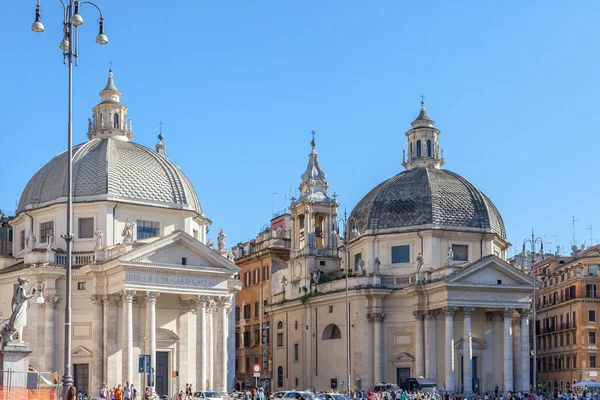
(81, 351)
(405, 357)
(180, 249)
(490, 271)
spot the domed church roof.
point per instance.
(430, 197)
(426, 196)
(109, 167)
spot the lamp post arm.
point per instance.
(93, 4)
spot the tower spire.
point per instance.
(161, 148)
(109, 117)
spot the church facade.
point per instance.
(430, 293)
(144, 281)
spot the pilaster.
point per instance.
(98, 337)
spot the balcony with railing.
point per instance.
(77, 260)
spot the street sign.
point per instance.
(257, 374)
(144, 363)
(256, 369)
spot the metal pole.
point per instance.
(347, 308)
(68, 379)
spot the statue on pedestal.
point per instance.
(376, 265)
(360, 267)
(50, 241)
(18, 318)
(450, 255)
(210, 243)
(128, 232)
(420, 263)
(98, 234)
(221, 240)
(30, 241)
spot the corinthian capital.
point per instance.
(97, 299)
(418, 313)
(449, 311)
(51, 302)
(128, 295)
(223, 301)
(508, 312)
(152, 296)
(203, 300)
(468, 310)
(525, 313)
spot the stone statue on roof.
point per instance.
(127, 232)
(221, 240)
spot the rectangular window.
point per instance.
(247, 363)
(237, 343)
(256, 276)
(247, 339)
(592, 315)
(592, 361)
(593, 270)
(22, 240)
(246, 311)
(400, 254)
(256, 309)
(575, 362)
(237, 313)
(147, 229)
(280, 340)
(85, 228)
(460, 252)
(257, 337)
(46, 228)
(296, 351)
(80, 285)
(590, 291)
(568, 362)
(592, 337)
(574, 338)
(301, 222)
(246, 278)
(574, 322)
(266, 273)
(330, 309)
(568, 339)
(183, 260)
(562, 340)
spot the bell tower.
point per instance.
(314, 237)
(109, 118)
(423, 143)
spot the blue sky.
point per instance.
(239, 85)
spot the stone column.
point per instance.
(378, 356)
(223, 304)
(127, 336)
(431, 344)
(98, 336)
(525, 357)
(517, 364)
(467, 351)
(50, 343)
(111, 323)
(449, 348)
(488, 373)
(137, 335)
(508, 350)
(210, 347)
(419, 344)
(201, 334)
(151, 328)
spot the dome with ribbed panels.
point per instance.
(427, 198)
(111, 169)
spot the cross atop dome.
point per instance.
(423, 143)
(109, 117)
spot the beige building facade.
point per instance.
(430, 292)
(144, 282)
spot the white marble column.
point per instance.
(431, 344)
(137, 336)
(488, 373)
(151, 328)
(98, 336)
(127, 336)
(50, 342)
(211, 346)
(378, 356)
(517, 364)
(508, 350)
(419, 344)
(467, 351)
(525, 352)
(449, 348)
(201, 334)
(111, 323)
(223, 304)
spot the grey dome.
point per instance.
(427, 197)
(110, 169)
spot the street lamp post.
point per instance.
(72, 20)
(532, 242)
(347, 221)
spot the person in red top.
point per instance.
(119, 393)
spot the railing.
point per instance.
(393, 281)
(76, 259)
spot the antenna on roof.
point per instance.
(573, 223)
(590, 228)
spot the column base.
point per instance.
(14, 357)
